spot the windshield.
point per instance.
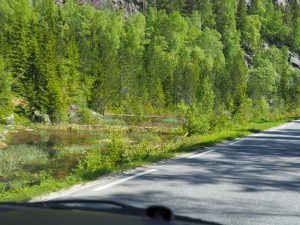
(191, 105)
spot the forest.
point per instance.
(212, 61)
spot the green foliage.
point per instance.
(94, 162)
(258, 7)
(98, 162)
(238, 72)
(273, 27)
(251, 32)
(261, 109)
(199, 115)
(85, 115)
(41, 177)
(264, 78)
(5, 91)
(197, 121)
(296, 35)
(143, 64)
(14, 156)
(241, 14)
(245, 112)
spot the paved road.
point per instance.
(255, 180)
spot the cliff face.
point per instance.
(130, 6)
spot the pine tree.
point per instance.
(18, 39)
(273, 29)
(205, 10)
(295, 7)
(49, 98)
(107, 36)
(296, 35)
(239, 75)
(257, 7)
(250, 33)
(241, 14)
(131, 63)
(5, 91)
(178, 53)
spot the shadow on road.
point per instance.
(230, 182)
(262, 163)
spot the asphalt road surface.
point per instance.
(254, 180)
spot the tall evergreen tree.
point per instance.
(257, 7)
(179, 52)
(131, 64)
(241, 14)
(250, 33)
(274, 30)
(5, 91)
(296, 35)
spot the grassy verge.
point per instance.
(119, 155)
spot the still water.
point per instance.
(70, 143)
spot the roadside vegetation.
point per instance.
(28, 171)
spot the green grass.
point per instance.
(71, 150)
(18, 165)
(20, 155)
(121, 155)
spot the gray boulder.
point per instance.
(10, 119)
(73, 117)
(42, 117)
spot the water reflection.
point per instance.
(64, 148)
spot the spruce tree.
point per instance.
(241, 14)
(5, 91)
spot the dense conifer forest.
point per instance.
(212, 60)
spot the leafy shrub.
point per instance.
(22, 120)
(197, 120)
(139, 152)
(245, 112)
(262, 109)
(41, 177)
(85, 115)
(222, 121)
(3, 187)
(4, 121)
(118, 150)
(23, 111)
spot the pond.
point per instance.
(146, 121)
(62, 148)
(32, 153)
(54, 137)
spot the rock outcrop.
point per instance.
(41, 117)
(130, 6)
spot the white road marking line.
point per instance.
(259, 134)
(200, 154)
(254, 135)
(233, 143)
(183, 156)
(123, 180)
(65, 193)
